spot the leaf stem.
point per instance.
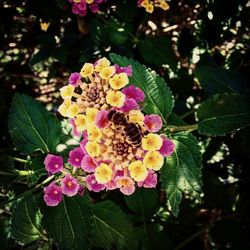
(19, 159)
(29, 191)
(189, 128)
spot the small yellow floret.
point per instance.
(144, 3)
(103, 173)
(91, 114)
(164, 5)
(67, 91)
(107, 72)
(93, 149)
(152, 142)
(138, 171)
(80, 122)
(153, 160)
(87, 69)
(136, 116)
(44, 26)
(94, 133)
(89, 1)
(118, 81)
(101, 64)
(150, 8)
(64, 107)
(115, 98)
(72, 111)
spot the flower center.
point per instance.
(77, 159)
(56, 165)
(69, 184)
(55, 192)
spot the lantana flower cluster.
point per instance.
(80, 7)
(150, 5)
(112, 153)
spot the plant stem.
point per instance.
(29, 191)
(190, 112)
(19, 159)
(189, 128)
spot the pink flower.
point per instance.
(153, 123)
(74, 79)
(92, 184)
(81, 190)
(167, 147)
(74, 129)
(111, 185)
(69, 185)
(88, 164)
(52, 195)
(127, 70)
(150, 181)
(83, 145)
(125, 184)
(101, 120)
(53, 163)
(94, 7)
(134, 92)
(129, 104)
(75, 157)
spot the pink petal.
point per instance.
(102, 119)
(88, 164)
(129, 188)
(167, 147)
(134, 92)
(127, 70)
(75, 132)
(153, 123)
(150, 181)
(129, 104)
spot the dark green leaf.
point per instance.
(143, 201)
(222, 114)
(5, 241)
(25, 221)
(182, 170)
(158, 51)
(111, 227)
(159, 99)
(31, 126)
(216, 80)
(69, 224)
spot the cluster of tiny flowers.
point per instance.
(119, 147)
(149, 5)
(80, 7)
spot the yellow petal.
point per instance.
(93, 149)
(115, 98)
(94, 133)
(89, 1)
(153, 160)
(102, 63)
(118, 81)
(103, 173)
(136, 116)
(152, 142)
(138, 171)
(107, 72)
(80, 122)
(67, 91)
(64, 107)
(72, 111)
(87, 69)
(150, 8)
(91, 114)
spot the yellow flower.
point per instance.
(101, 64)
(44, 26)
(164, 5)
(103, 173)
(67, 91)
(89, 1)
(94, 133)
(136, 116)
(87, 69)
(153, 160)
(118, 81)
(107, 72)
(80, 122)
(138, 171)
(72, 111)
(76, 1)
(150, 8)
(115, 98)
(152, 142)
(64, 107)
(144, 3)
(93, 149)
(91, 115)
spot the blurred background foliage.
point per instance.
(200, 48)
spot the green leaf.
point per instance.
(222, 114)
(69, 223)
(111, 228)
(25, 225)
(162, 51)
(182, 170)
(31, 126)
(158, 97)
(143, 201)
(216, 80)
